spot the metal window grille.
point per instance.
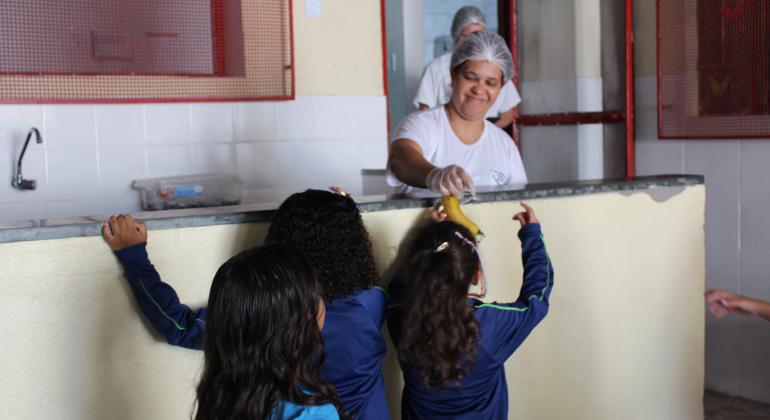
(713, 68)
(98, 51)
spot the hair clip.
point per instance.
(340, 191)
(443, 246)
(474, 248)
(467, 242)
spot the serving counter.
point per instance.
(624, 337)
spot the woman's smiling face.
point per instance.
(475, 86)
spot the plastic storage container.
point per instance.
(181, 192)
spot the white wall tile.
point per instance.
(372, 154)
(117, 205)
(719, 161)
(662, 157)
(295, 120)
(72, 173)
(212, 122)
(722, 268)
(213, 158)
(15, 122)
(33, 167)
(541, 97)
(271, 195)
(370, 119)
(754, 362)
(167, 124)
(755, 229)
(69, 126)
(118, 167)
(100, 207)
(646, 128)
(755, 172)
(338, 167)
(58, 209)
(754, 392)
(257, 164)
(722, 354)
(334, 117)
(119, 125)
(23, 211)
(755, 273)
(255, 121)
(722, 224)
(169, 161)
(549, 153)
(298, 164)
(723, 385)
(646, 91)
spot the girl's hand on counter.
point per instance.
(527, 216)
(123, 231)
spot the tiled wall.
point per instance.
(560, 153)
(91, 153)
(438, 23)
(737, 239)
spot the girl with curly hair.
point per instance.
(262, 347)
(328, 229)
(452, 346)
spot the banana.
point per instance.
(454, 213)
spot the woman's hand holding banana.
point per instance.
(450, 180)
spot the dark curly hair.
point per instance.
(328, 228)
(439, 331)
(262, 343)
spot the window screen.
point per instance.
(713, 68)
(145, 50)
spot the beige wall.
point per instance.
(340, 52)
(624, 338)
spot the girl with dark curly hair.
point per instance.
(451, 346)
(262, 347)
(327, 227)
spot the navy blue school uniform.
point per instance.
(483, 393)
(353, 343)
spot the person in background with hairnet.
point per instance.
(453, 148)
(436, 84)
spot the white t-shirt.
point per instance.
(493, 160)
(436, 88)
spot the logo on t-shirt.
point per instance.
(499, 177)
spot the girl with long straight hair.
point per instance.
(326, 226)
(262, 349)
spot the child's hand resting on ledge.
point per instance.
(123, 231)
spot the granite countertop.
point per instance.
(33, 230)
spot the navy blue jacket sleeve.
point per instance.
(180, 325)
(506, 325)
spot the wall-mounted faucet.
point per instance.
(18, 182)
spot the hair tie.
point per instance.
(467, 242)
(340, 191)
(475, 249)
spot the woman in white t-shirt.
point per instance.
(435, 86)
(453, 148)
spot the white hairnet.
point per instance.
(467, 15)
(484, 46)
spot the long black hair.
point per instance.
(439, 331)
(262, 343)
(327, 227)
